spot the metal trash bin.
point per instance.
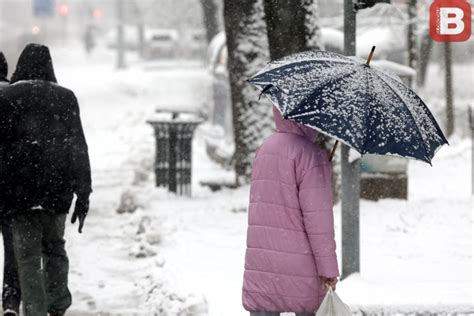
(173, 157)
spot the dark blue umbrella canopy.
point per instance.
(362, 106)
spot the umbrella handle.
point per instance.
(370, 55)
(333, 151)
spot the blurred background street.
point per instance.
(148, 251)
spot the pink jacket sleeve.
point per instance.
(315, 197)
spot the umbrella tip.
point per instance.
(268, 87)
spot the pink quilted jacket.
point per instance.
(290, 238)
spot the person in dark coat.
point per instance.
(11, 294)
(47, 165)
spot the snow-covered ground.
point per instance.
(415, 252)
(107, 271)
(184, 256)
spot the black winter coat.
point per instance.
(46, 152)
(4, 125)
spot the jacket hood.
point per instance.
(3, 68)
(287, 126)
(35, 63)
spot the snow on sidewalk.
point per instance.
(109, 272)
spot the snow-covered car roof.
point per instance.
(393, 67)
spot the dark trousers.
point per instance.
(11, 295)
(43, 265)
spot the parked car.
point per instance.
(194, 45)
(161, 43)
(219, 137)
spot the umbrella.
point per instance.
(362, 106)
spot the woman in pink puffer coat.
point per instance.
(291, 252)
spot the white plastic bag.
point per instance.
(332, 305)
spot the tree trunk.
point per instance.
(285, 27)
(248, 52)
(425, 53)
(210, 11)
(291, 27)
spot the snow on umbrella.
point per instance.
(362, 106)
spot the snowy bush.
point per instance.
(127, 203)
(148, 238)
(135, 197)
(164, 300)
(143, 170)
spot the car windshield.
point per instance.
(161, 37)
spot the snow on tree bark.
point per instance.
(312, 29)
(248, 52)
(291, 29)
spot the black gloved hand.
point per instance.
(80, 211)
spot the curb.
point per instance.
(413, 310)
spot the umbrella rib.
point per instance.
(411, 114)
(367, 116)
(433, 120)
